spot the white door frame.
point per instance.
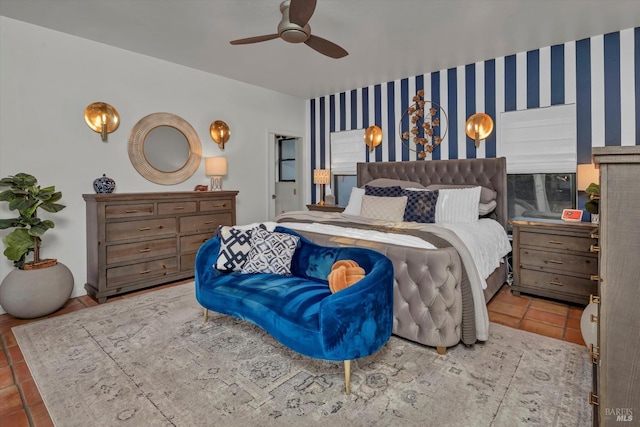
(301, 167)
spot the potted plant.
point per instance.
(38, 287)
(593, 205)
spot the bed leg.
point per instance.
(347, 376)
(442, 350)
(206, 315)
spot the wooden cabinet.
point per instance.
(555, 259)
(325, 208)
(138, 240)
(616, 356)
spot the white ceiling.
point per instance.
(386, 39)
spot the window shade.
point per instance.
(539, 140)
(347, 149)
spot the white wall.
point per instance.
(47, 79)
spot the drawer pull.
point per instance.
(131, 211)
(210, 222)
(554, 261)
(594, 352)
(555, 242)
(594, 277)
(595, 235)
(179, 208)
(594, 248)
(594, 299)
(593, 318)
(556, 283)
(144, 229)
(145, 271)
(593, 399)
(145, 250)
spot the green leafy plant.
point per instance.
(593, 205)
(25, 196)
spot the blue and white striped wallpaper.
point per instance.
(601, 75)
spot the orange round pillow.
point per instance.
(343, 274)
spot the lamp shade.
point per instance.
(479, 126)
(321, 176)
(587, 174)
(215, 166)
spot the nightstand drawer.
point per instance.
(558, 282)
(557, 261)
(555, 241)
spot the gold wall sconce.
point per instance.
(216, 168)
(220, 133)
(479, 126)
(373, 137)
(321, 177)
(102, 118)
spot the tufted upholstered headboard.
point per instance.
(491, 173)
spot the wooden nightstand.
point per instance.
(555, 259)
(325, 208)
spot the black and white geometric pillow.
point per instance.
(235, 245)
(271, 252)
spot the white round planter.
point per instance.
(28, 294)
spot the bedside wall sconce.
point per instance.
(216, 168)
(102, 118)
(479, 126)
(373, 137)
(220, 133)
(322, 177)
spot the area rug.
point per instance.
(150, 360)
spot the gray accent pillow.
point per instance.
(486, 194)
(388, 182)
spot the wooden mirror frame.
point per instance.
(137, 138)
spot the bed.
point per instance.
(440, 291)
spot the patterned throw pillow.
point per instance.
(271, 252)
(393, 191)
(235, 245)
(421, 206)
(384, 208)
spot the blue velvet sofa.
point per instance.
(299, 310)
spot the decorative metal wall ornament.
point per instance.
(426, 126)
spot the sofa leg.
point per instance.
(442, 350)
(347, 375)
(206, 315)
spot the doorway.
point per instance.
(286, 195)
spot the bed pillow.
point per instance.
(384, 208)
(388, 182)
(486, 194)
(421, 205)
(355, 202)
(235, 244)
(394, 191)
(486, 208)
(271, 252)
(458, 205)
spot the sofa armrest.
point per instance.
(205, 261)
(357, 321)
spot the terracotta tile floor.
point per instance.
(21, 404)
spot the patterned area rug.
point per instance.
(151, 361)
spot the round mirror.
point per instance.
(164, 148)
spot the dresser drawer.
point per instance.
(543, 260)
(128, 211)
(136, 229)
(203, 223)
(189, 244)
(216, 205)
(188, 262)
(554, 241)
(171, 208)
(119, 276)
(141, 250)
(558, 283)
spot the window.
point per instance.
(347, 149)
(287, 160)
(342, 185)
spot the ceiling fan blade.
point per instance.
(326, 47)
(255, 39)
(300, 11)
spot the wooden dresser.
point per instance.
(616, 356)
(139, 240)
(555, 259)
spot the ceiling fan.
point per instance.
(294, 28)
